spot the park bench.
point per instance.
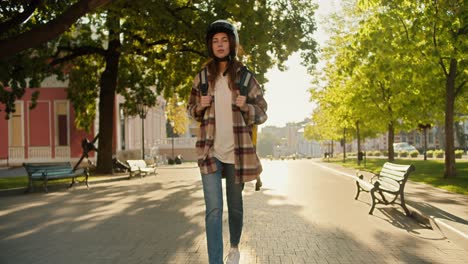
(386, 186)
(53, 171)
(140, 167)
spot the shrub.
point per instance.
(377, 153)
(403, 154)
(385, 153)
(458, 153)
(414, 154)
(439, 153)
(430, 153)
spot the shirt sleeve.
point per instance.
(194, 100)
(257, 106)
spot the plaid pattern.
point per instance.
(247, 165)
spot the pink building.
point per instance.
(43, 134)
(47, 133)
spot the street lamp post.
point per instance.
(172, 135)
(424, 128)
(142, 110)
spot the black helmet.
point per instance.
(226, 27)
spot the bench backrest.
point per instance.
(38, 170)
(136, 164)
(395, 174)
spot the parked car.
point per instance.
(403, 146)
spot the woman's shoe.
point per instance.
(233, 257)
(258, 184)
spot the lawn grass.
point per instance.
(22, 182)
(427, 171)
(13, 182)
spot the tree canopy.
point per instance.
(137, 48)
(396, 65)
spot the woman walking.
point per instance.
(227, 110)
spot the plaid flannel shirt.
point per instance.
(246, 162)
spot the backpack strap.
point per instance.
(246, 77)
(203, 75)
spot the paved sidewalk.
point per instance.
(442, 210)
(160, 219)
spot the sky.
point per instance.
(287, 92)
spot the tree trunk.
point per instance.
(425, 143)
(391, 139)
(107, 98)
(358, 138)
(449, 112)
(332, 148)
(344, 145)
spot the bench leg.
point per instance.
(86, 177)
(72, 183)
(372, 193)
(384, 200)
(30, 185)
(45, 184)
(403, 204)
(358, 187)
(358, 190)
(74, 180)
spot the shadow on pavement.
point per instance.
(161, 220)
(439, 213)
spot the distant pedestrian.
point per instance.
(224, 146)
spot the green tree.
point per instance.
(177, 113)
(342, 111)
(18, 35)
(385, 67)
(437, 31)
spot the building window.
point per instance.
(16, 126)
(61, 128)
(403, 138)
(430, 137)
(39, 125)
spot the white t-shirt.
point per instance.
(223, 148)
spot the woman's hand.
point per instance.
(241, 103)
(205, 101)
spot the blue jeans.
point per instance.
(212, 190)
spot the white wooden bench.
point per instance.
(139, 167)
(390, 181)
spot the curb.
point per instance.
(450, 232)
(447, 231)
